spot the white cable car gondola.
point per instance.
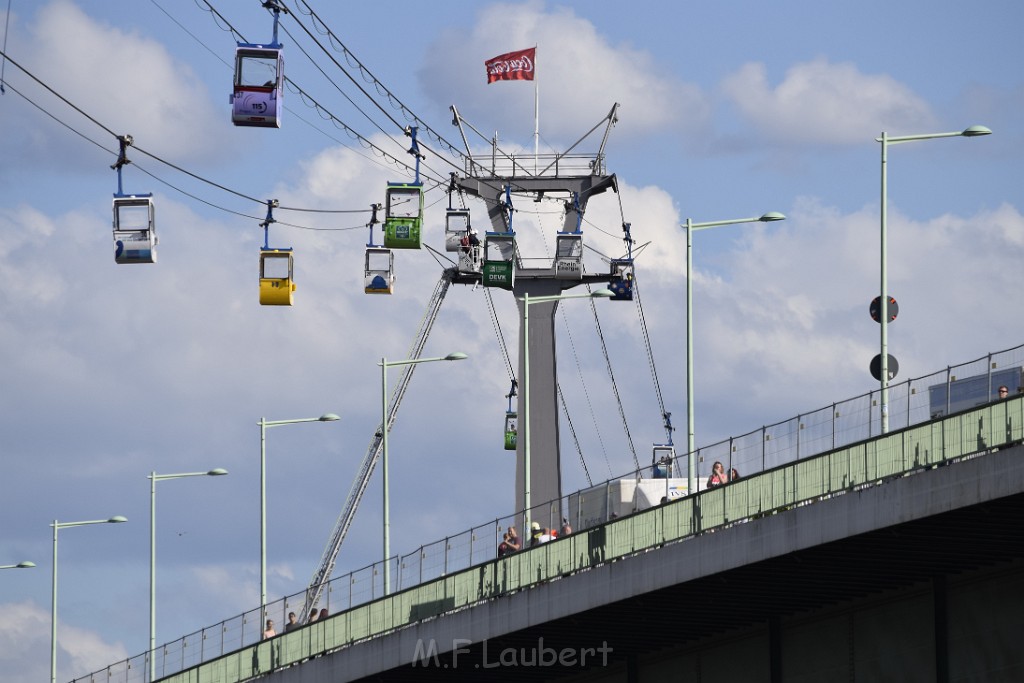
(569, 256)
(663, 460)
(379, 263)
(456, 226)
(134, 224)
(379, 273)
(135, 237)
(259, 81)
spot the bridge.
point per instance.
(898, 557)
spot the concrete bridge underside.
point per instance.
(917, 578)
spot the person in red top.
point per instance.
(718, 476)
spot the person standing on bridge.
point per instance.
(269, 631)
(718, 476)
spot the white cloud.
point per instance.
(25, 646)
(820, 102)
(128, 83)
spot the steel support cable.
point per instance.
(351, 101)
(496, 324)
(310, 102)
(330, 556)
(378, 85)
(647, 345)
(156, 177)
(647, 338)
(150, 154)
(575, 439)
(586, 394)
(615, 387)
(321, 110)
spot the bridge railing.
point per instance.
(811, 455)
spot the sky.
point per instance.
(726, 110)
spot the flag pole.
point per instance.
(536, 112)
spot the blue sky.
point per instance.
(727, 110)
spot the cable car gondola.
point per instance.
(379, 263)
(663, 459)
(135, 237)
(456, 226)
(511, 421)
(403, 217)
(259, 81)
(277, 285)
(569, 256)
(277, 268)
(500, 251)
(499, 260)
(379, 271)
(621, 282)
(134, 224)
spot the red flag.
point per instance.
(512, 66)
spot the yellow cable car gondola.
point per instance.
(277, 284)
(277, 268)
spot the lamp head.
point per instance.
(458, 355)
(328, 417)
(975, 131)
(772, 216)
(217, 472)
(602, 293)
(25, 565)
(117, 519)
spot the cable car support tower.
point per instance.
(577, 176)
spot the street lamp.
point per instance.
(690, 227)
(883, 374)
(153, 479)
(384, 365)
(264, 423)
(527, 302)
(53, 600)
(20, 565)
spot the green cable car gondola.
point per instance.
(403, 219)
(511, 421)
(499, 260)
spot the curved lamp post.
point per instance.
(264, 423)
(384, 365)
(57, 526)
(153, 479)
(690, 227)
(525, 420)
(20, 565)
(883, 374)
